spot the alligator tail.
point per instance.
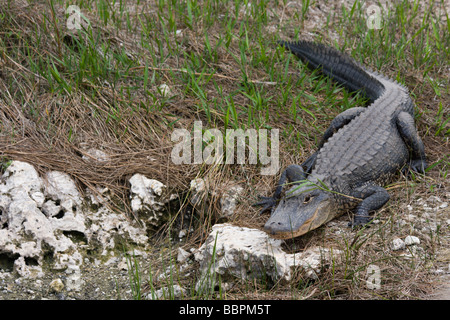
(337, 66)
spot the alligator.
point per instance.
(359, 153)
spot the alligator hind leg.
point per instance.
(292, 174)
(374, 197)
(407, 129)
(341, 120)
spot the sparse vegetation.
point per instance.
(103, 85)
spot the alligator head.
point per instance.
(300, 211)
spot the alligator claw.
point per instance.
(267, 202)
(418, 165)
(360, 221)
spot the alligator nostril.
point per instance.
(270, 226)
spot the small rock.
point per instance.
(164, 89)
(198, 189)
(56, 286)
(73, 279)
(146, 198)
(141, 185)
(411, 240)
(174, 292)
(397, 244)
(182, 233)
(61, 296)
(229, 200)
(123, 264)
(112, 261)
(182, 255)
(95, 155)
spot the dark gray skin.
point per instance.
(360, 152)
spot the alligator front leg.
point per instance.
(407, 130)
(373, 198)
(292, 174)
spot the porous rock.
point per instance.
(47, 217)
(148, 198)
(250, 253)
(22, 220)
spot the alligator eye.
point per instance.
(307, 198)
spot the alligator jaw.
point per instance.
(294, 216)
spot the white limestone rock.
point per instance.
(47, 217)
(25, 230)
(412, 240)
(148, 198)
(144, 193)
(397, 244)
(60, 186)
(25, 270)
(182, 255)
(106, 226)
(164, 89)
(20, 175)
(74, 279)
(198, 191)
(251, 253)
(51, 209)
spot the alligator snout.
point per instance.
(273, 227)
(279, 229)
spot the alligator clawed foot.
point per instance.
(418, 165)
(360, 221)
(267, 202)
